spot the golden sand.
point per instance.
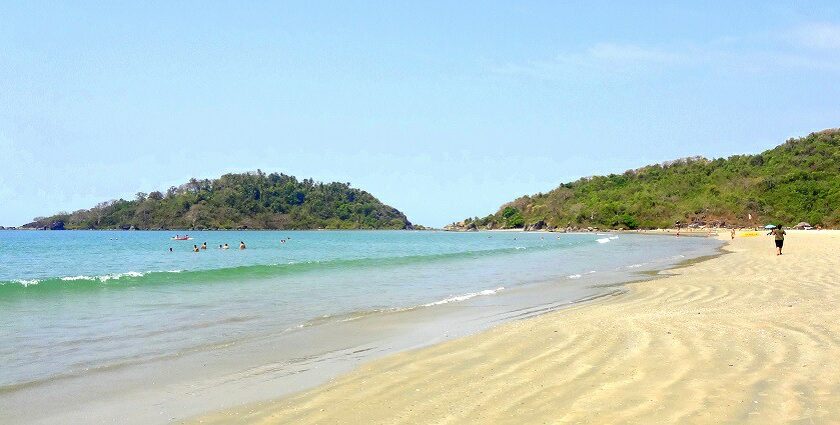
(746, 337)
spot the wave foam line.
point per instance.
(465, 296)
(104, 278)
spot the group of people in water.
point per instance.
(203, 246)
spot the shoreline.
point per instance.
(715, 340)
(266, 364)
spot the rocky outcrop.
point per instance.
(56, 225)
(540, 225)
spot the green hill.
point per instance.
(796, 181)
(239, 201)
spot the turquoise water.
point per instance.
(76, 302)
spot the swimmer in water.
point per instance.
(170, 249)
(204, 245)
(242, 245)
(195, 248)
(225, 247)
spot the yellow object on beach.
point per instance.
(748, 234)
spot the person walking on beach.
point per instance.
(733, 233)
(779, 235)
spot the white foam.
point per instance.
(465, 296)
(72, 278)
(120, 275)
(613, 237)
(27, 282)
(574, 276)
(107, 277)
(520, 247)
(635, 266)
(603, 240)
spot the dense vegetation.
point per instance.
(796, 181)
(239, 201)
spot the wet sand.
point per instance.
(748, 337)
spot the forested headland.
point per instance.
(793, 182)
(238, 201)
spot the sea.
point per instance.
(97, 323)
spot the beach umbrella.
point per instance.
(770, 226)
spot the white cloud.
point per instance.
(752, 54)
(602, 58)
(817, 36)
(630, 53)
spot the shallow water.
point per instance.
(78, 303)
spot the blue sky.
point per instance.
(442, 110)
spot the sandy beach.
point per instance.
(746, 337)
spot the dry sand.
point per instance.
(746, 337)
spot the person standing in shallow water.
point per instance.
(241, 245)
(779, 235)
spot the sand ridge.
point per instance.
(747, 337)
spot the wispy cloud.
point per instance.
(630, 53)
(750, 54)
(820, 35)
(613, 58)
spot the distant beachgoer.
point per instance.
(779, 236)
(282, 241)
(170, 249)
(204, 245)
(242, 245)
(733, 233)
(226, 246)
(220, 247)
(195, 248)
